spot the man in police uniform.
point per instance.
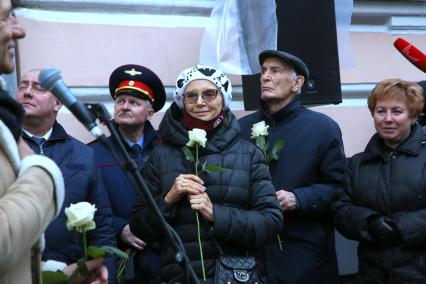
(138, 93)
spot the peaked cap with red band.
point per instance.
(138, 81)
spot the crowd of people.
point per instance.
(218, 190)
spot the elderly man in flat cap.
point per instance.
(138, 93)
(307, 173)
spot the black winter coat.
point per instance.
(311, 165)
(381, 181)
(246, 210)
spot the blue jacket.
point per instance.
(82, 183)
(119, 186)
(312, 166)
(122, 194)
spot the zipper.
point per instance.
(41, 149)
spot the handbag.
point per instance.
(233, 269)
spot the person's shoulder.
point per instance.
(356, 159)
(246, 123)
(103, 155)
(320, 119)
(244, 145)
(77, 145)
(94, 142)
(162, 148)
(357, 156)
(252, 117)
(96, 145)
(246, 148)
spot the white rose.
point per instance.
(197, 136)
(80, 216)
(259, 129)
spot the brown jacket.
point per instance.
(31, 195)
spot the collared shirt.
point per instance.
(139, 142)
(38, 138)
(45, 136)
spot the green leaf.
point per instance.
(279, 144)
(115, 251)
(212, 168)
(96, 252)
(54, 277)
(189, 156)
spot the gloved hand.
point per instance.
(384, 230)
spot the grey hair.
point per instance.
(293, 76)
(148, 105)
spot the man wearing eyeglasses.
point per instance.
(138, 93)
(308, 172)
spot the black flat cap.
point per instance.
(298, 65)
(137, 81)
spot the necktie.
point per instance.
(38, 140)
(136, 148)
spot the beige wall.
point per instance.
(355, 122)
(376, 58)
(87, 52)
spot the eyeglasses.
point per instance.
(207, 95)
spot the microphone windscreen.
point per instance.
(48, 77)
(411, 53)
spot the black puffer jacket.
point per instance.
(246, 210)
(390, 183)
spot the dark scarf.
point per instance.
(11, 113)
(191, 122)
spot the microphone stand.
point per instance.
(100, 112)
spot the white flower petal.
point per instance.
(80, 215)
(259, 129)
(197, 136)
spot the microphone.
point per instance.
(412, 54)
(51, 80)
